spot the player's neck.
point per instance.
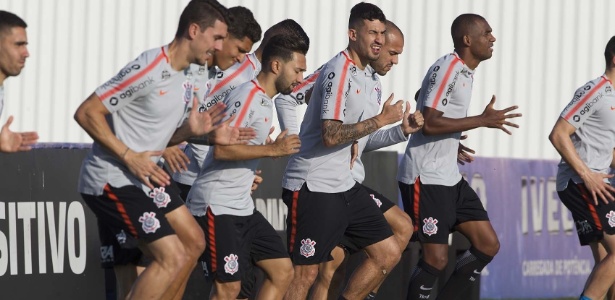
(360, 62)
(609, 73)
(467, 57)
(2, 78)
(179, 54)
(267, 81)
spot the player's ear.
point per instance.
(276, 66)
(352, 34)
(466, 40)
(193, 30)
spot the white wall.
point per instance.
(545, 49)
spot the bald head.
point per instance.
(464, 25)
(393, 31)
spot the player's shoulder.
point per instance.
(597, 84)
(446, 62)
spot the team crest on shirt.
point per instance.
(121, 237)
(307, 248)
(232, 264)
(378, 202)
(430, 228)
(149, 221)
(188, 86)
(378, 94)
(160, 197)
(608, 89)
(166, 75)
(353, 70)
(611, 217)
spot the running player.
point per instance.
(13, 54)
(434, 194)
(584, 135)
(220, 197)
(131, 119)
(398, 220)
(324, 201)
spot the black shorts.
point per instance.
(317, 222)
(184, 189)
(130, 214)
(235, 243)
(383, 203)
(437, 209)
(592, 220)
(112, 253)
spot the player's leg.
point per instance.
(475, 225)
(268, 252)
(315, 225)
(328, 281)
(369, 230)
(432, 209)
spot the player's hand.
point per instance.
(493, 118)
(594, 182)
(224, 134)
(354, 153)
(464, 154)
(390, 113)
(411, 123)
(16, 141)
(176, 158)
(257, 181)
(286, 144)
(201, 123)
(140, 165)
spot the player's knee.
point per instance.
(306, 274)
(195, 243)
(438, 261)
(173, 262)
(227, 290)
(387, 255)
(284, 274)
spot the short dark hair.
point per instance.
(365, 11)
(609, 53)
(242, 24)
(202, 12)
(8, 20)
(290, 28)
(281, 46)
(462, 26)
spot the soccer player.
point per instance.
(131, 119)
(324, 200)
(584, 135)
(220, 196)
(433, 191)
(13, 54)
(398, 220)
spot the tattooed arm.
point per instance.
(336, 133)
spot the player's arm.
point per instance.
(283, 145)
(560, 138)
(436, 123)
(91, 117)
(613, 161)
(334, 132)
(286, 108)
(411, 123)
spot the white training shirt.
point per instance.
(592, 112)
(447, 87)
(217, 88)
(225, 186)
(147, 101)
(340, 93)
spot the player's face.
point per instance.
(291, 74)
(389, 55)
(370, 38)
(482, 41)
(233, 51)
(13, 51)
(208, 41)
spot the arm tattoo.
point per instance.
(337, 133)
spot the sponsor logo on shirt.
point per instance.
(591, 103)
(135, 88)
(117, 78)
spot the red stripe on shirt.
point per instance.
(121, 209)
(307, 81)
(576, 107)
(340, 90)
(244, 109)
(211, 239)
(450, 69)
(134, 78)
(224, 82)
